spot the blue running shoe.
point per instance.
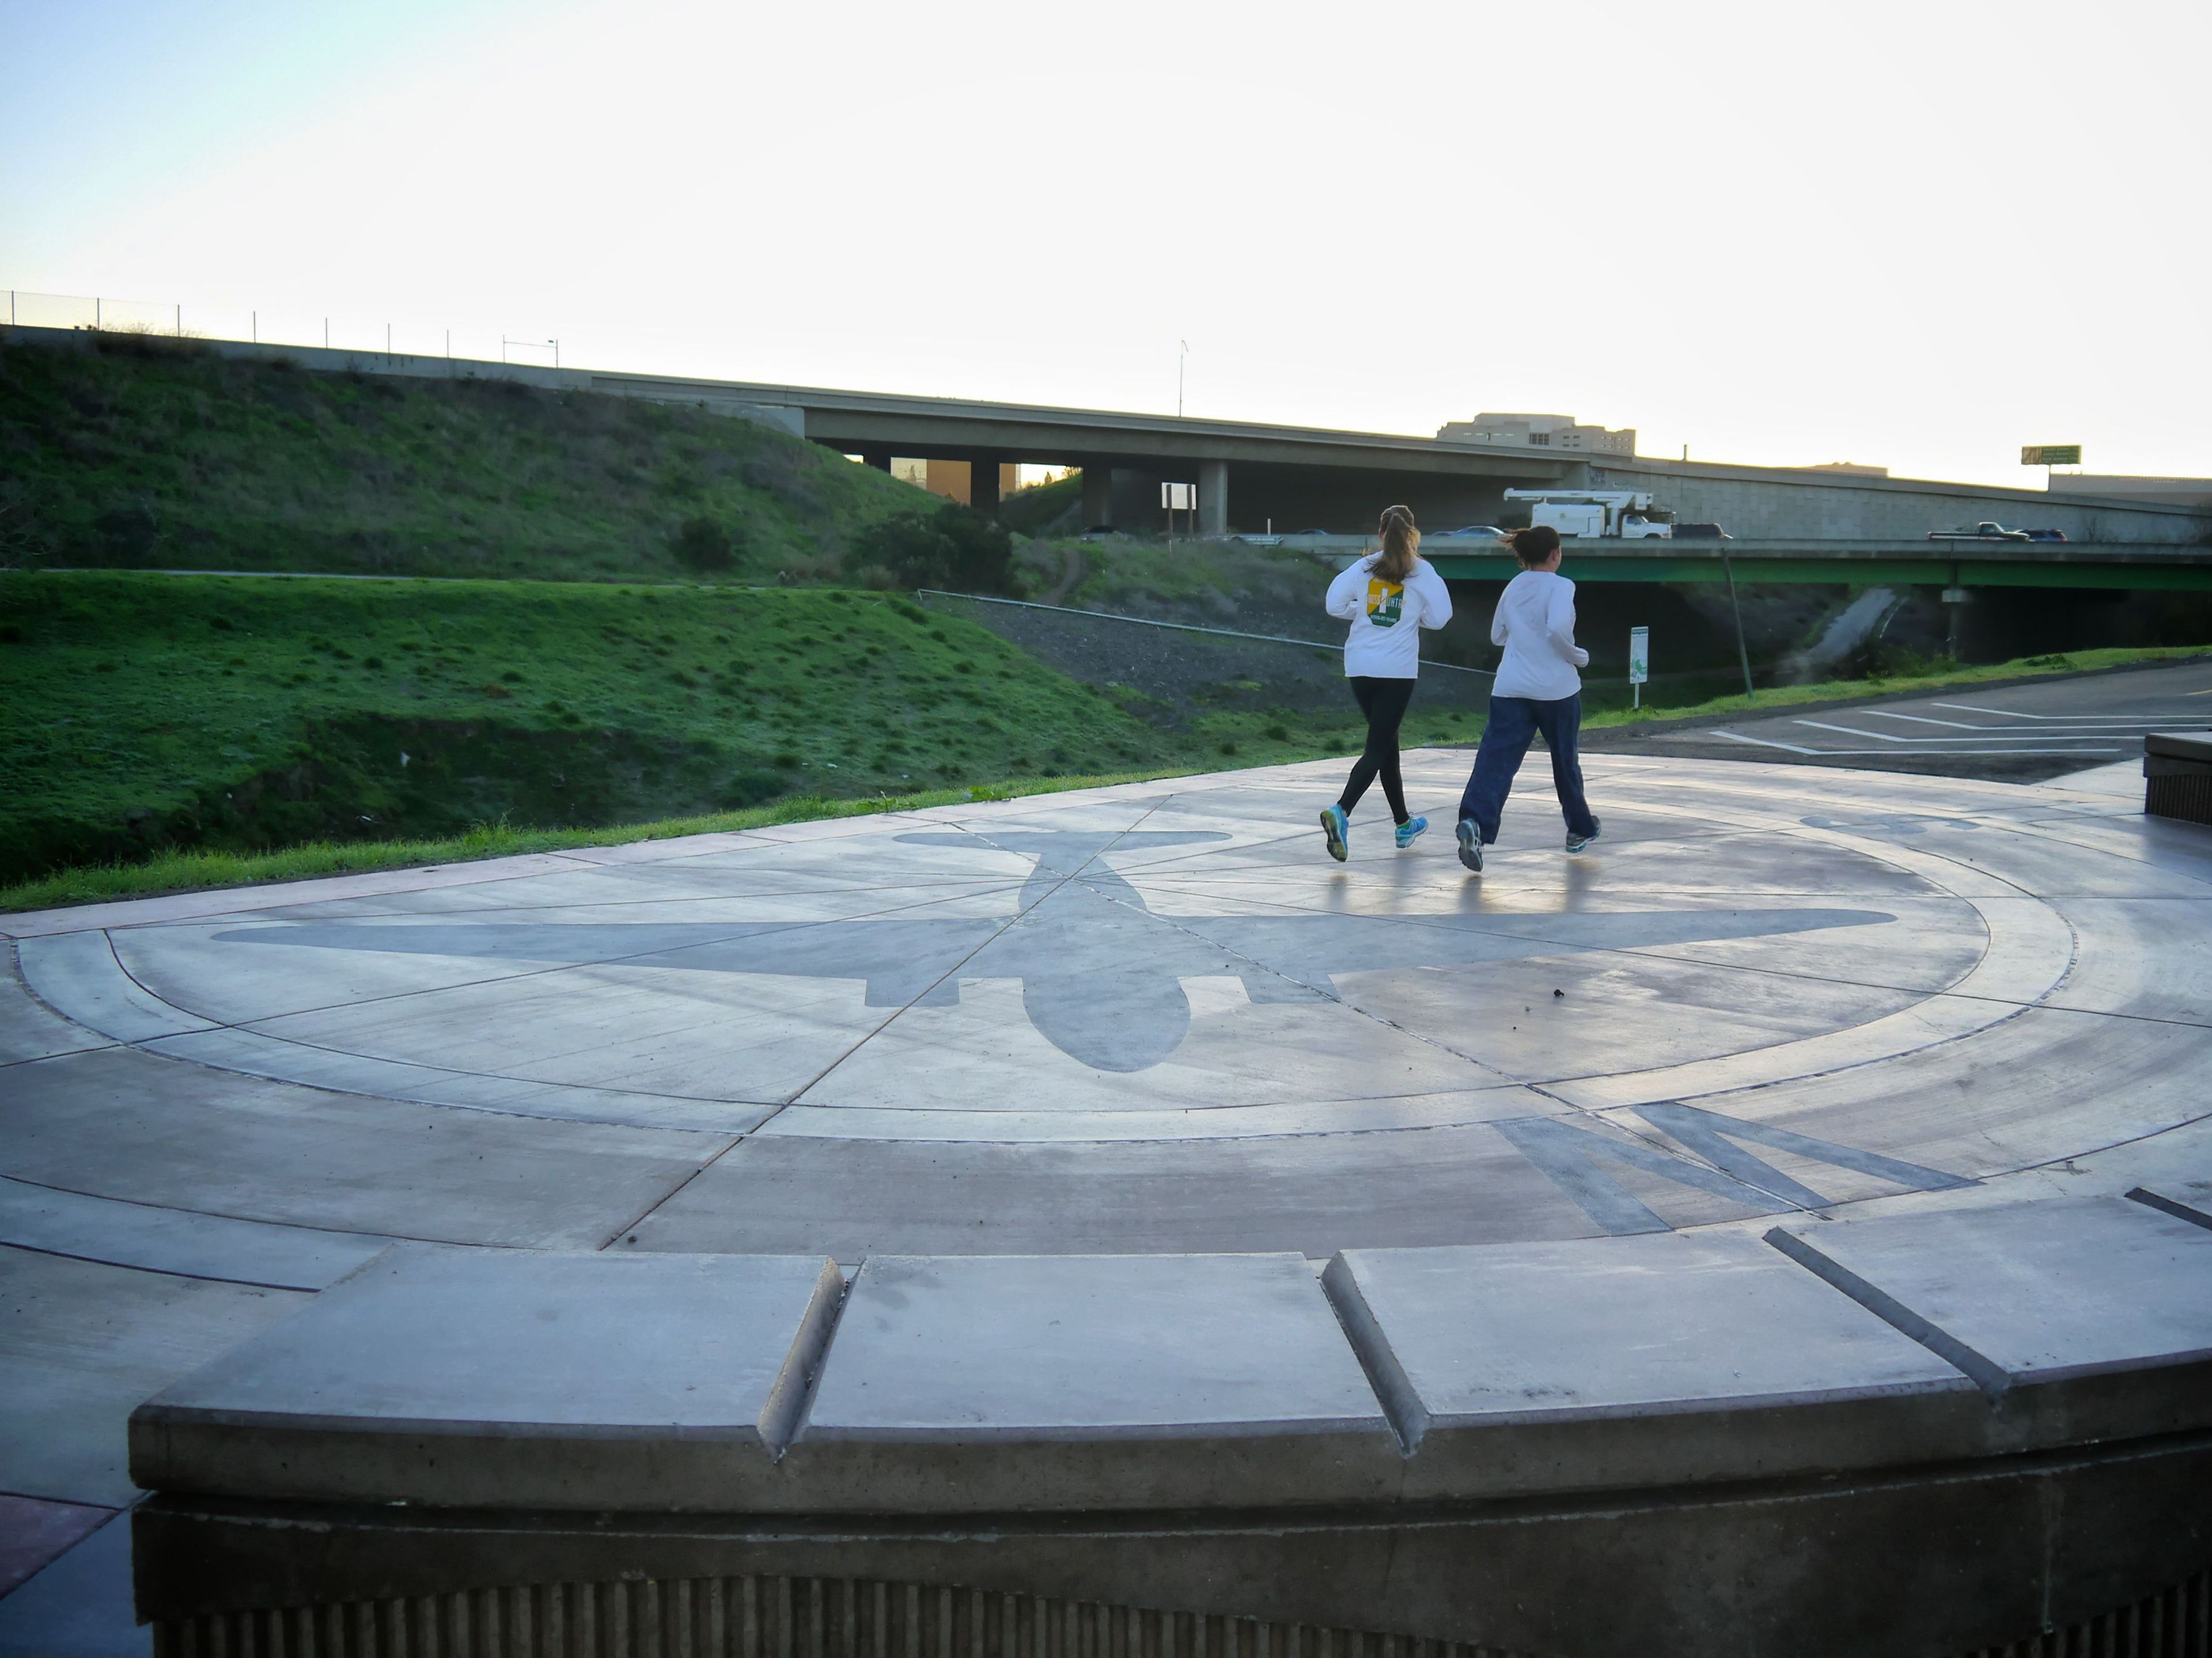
(1576, 842)
(1470, 844)
(1411, 830)
(1335, 825)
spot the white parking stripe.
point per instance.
(2063, 719)
(1853, 731)
(2148, 722)
(1892, 737)
(1793, 748)
(1922, 720)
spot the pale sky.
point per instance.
(1917, 236)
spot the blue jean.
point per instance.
(1514, 723)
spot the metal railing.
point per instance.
(1179, 627)
(288, 326)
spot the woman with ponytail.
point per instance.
(1388, 597)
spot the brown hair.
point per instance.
(1532, 546)
(1400, 540)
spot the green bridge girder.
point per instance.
(2077, 565)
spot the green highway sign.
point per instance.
(2052, 454)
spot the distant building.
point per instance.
(1540, 432)
(1851, 466)
(2116, 486)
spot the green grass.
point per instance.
(1030, 510)
(190, 871)
(162, 734)
(144, 453)
(146, 714)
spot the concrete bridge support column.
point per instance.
(983, 483)
(1214, 497)
(879, 459)
(1098, 494)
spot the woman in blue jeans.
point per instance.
(1537, 689)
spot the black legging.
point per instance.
(1383, 702)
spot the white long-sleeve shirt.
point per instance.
(1387, 618)
(1535, 623)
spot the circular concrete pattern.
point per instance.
(1152, 1018)
(1086, 1156)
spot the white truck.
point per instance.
(1626, 514)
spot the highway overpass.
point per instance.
(1248, 474)
(1252, 476)
(2131, 566)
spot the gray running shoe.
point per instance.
(1576, 842)
(1470, 844)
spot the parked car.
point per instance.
(1701, 533)
(1472, 532)
(1983, 531)
(2046, 535)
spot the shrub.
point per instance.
(751, 788)
(703, 543)
(948, 546)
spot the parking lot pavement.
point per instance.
(2010, 733)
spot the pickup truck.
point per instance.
(1982, 532)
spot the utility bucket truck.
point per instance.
(1624, 513)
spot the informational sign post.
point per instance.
(1178, 498)
(1639, 662)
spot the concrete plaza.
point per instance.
(1150, 1020)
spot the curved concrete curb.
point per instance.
(1943, 1373)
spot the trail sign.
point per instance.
(2050, 454)
(1177, 498)
(1639, 661)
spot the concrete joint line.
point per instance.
(1987, 1376)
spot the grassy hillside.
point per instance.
(161, 732)
(1044, 509)
(142, 453)
(147, 712)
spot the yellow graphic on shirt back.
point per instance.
(1386, 602)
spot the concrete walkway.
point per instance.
(1142, 1020)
